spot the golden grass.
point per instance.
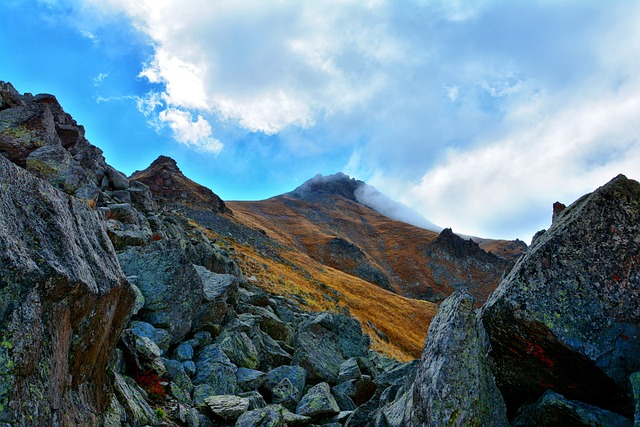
(405, 321)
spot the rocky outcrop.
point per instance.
(464, 265)
(454, 384)
(168, 183)
(566, 317)
(554, 409)
(63, 303)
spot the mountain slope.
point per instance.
(324, 219)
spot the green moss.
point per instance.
(7, 375)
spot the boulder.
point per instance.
(286, 394)
(240, 350)
(324, 342)
(170, 284)
(214, 369)
(349, 370)
(454, 384)
(554, 409)
(227, 407)
(566, 317)
(134, 402)
(161, 337)
(63, 303)
(317, 402)
(295, 374)
(250, 379)
(269, 416)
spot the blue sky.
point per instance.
(478, 114)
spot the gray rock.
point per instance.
(256, 401)
(567, 315)
(145, 353)
(227, 407)
(286, 394)
(117, 179)
(214, 369)
(291, 419)
(171, 287)
(454, 384)
(240, 350)
(318, 401)
(63, 302)
(295, 374)
(272, 325)
(349, 370)
(269, 416)
(161, 337)
(134, 401)
(183, 352)
(139, 304)
(554, 409)
(218, 286)
(189, 368)
(250, 379)
(358, 391)
(177, 374)
(324, 342)
(270, 352)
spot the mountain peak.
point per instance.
(338, 184)
(166, 181)
(165, 163)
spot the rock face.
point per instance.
(464, 265)
(168, 183)
(454, 384)
(63, 303)
(566, 317)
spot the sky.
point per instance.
(478, 114)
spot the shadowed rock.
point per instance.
(566, 317)
(454, 384)
(63, 303)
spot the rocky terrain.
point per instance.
(144, 301)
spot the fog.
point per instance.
(369, 196)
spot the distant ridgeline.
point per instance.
(149, 301)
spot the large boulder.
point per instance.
(63, 303)
(554, 409)
(454, 384)
(567, 316)
(170, 284)
(324, 342)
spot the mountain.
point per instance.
(326, 219)
(167, 182)
(123, 306)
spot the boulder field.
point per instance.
(116, 310)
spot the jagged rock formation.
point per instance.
(167, 182)
(454, 384)
(566, 317)
(63, 303)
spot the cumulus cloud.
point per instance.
(196, 133)
(565, 152)
(266, 66)
(474, 113)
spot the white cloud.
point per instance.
(266, 66)
(97, 81)
(477, 113)
(196, 134)
(563, 153)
